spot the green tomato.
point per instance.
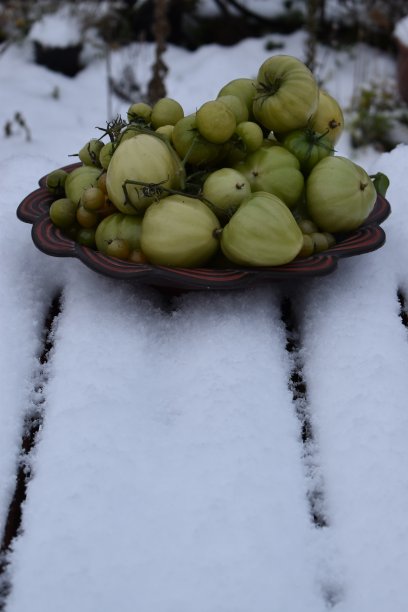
(308, 246)
(308, 146)
(86, 218)
(225, 189)
(320, 240)
(118, 226)
(63, 213)
(251, 135)
(93, 199)
(80, 179)
(262, 232)
(248, 137)
(307, 226)
(89, 154)
(215, 121)
(140, 171)
(179, 231)
(191, 146)
(128, 132)
(55, 182)
(166, 111)
(276, 170)
(139, 112)
(166, 131)
(339, 195)
(105, 154)
(286, 94)
(118, 248)
(237, 105)
(86, 236)
(328, 118)
(243, 88)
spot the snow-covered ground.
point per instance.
(169, 474)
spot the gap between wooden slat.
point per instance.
(332, 591)
(403, 307)
(32, 424)
(298, 387)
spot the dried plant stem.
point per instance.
(156, 86)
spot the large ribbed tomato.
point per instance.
(140, 170)
(179, 231)
(263, 232)
(286, 94)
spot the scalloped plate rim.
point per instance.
(204, 277)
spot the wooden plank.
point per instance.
(26, 293)
(176, 452)
(356, 356)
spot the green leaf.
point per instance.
(381, 183)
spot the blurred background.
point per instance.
(97, 29)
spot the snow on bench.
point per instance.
(212, 452)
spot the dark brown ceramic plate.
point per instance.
(35, 207)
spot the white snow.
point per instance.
(401, 31)
(169, 474)
(59, 29)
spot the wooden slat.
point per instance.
(357, 355)
(172, 471)
(26, 292)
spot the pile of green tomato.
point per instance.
(250, 178)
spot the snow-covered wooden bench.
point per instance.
(212, 452)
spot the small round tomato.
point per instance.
(86, 218)
(63, 212)
(225, 189)
(166, 111)
(191, 146)
(93, 199)
(308, 246)
(86, 236)
(243, 88)
(308, 146)
(80, 179)
(118, 226)
(139, 112)
(89, 154)
(105, 154)
(237, 105)
(55, 182)
(215, 121)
